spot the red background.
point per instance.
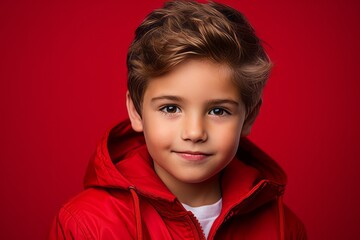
(63, 79)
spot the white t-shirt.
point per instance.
(206, 214)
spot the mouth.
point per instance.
(192, 156)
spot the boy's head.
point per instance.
(184, 30)
(196, 73)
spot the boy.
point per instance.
(179, 168)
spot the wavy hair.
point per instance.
(184, 30)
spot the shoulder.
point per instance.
(93, 199)
(94, 214)
(294, 227)
(280, 216)
(264, 222)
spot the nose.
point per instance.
(194, 129)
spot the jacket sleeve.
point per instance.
(66, 226)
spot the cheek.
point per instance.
(158, 134)
(227, 138)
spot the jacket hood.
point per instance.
(118, 163)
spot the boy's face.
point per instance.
(192, 119)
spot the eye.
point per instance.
(170, 109)
(218, 112)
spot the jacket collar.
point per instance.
(121, 162)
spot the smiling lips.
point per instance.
(193, 156)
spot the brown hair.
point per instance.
(184, 30)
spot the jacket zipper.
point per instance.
(197, 225)
(231, 213)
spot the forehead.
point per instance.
(195, 78)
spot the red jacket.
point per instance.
(125, 199)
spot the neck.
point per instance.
(192, 194)
(199, 194)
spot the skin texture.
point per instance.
(192, 119)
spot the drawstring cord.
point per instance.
(281, 217)
(139, 235)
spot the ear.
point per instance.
(135, 119)
(249, 121)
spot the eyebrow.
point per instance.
(167, 97)
(210, 102)
(223, 101)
